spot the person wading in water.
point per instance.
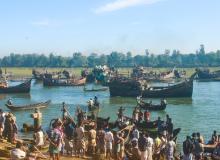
(37, 116)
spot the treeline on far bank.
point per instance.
(115, 59)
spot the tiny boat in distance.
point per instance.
(28, 107)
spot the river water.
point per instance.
(197, 114)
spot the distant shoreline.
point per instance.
(27, 71)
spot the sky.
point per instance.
(102, 26)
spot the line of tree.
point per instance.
(115, 59)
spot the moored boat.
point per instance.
(125, 87)
(182, 89)
(37, 75)
(132, 88)
(28, 107)
(63, 82)
(20, 88)
(206, 74)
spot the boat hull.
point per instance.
(124, 89)
(29, 107)
(183, 89)
(56, 82)
(21, 88)
(153, 107)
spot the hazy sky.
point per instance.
(66, 26)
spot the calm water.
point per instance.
(197, 114)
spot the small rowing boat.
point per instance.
(153, 107)
(28, 107)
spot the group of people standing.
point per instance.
(194, 146)
(8, 126)
(75, 139)
(9, 131)
(68, 137)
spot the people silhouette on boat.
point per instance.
(147, 116)
(163, 102)
(95, 101)
(90, 104)
(80, 115)
(121, 112)
(10, 101)
(139, 100)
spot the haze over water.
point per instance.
(197, 114)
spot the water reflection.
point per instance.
(180, 101)
(2, 96)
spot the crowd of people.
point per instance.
(194, 146)
(78, 139)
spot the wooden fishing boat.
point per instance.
(63, 82)
(132, 88)
(20, 88)
(95, 89)
(206, 74)
(37, 75)
(28, 107)
(182, 89)
(143, 126)
(125, 87)
(152, 107)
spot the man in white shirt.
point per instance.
(109, 139)
(135, 133)
(39, 138)
(150, 143)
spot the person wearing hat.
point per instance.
(37, 116)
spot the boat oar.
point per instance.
(65, 109)
(43, 156)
